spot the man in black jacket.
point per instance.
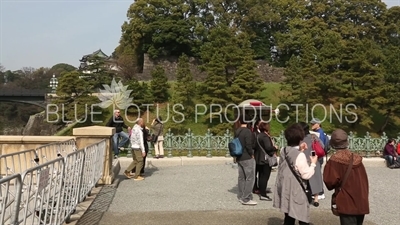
(118, 122)
(246, 164)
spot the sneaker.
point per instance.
(115, 156)
(265, 198)
(128, 174)
(121, 148)
(139, 178)
(321, 196)
(250, 202)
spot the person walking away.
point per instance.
(352, 201)
(138, 151)
(316, 182)
(246, 163)
(157, 128)
(291, 181)
(263, 144)
(146, 134)
(118, 122)
(317, 127)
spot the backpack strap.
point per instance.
(237, 135)
(347, 172)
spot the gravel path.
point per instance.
(206, 194)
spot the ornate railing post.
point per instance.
(351, 140)
(208, 138)
(282, 139)
(189, 136)
(227, 136)
(149, 155)
(169, 142)
(368, 143)
(384, 140)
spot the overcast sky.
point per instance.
(42, 33)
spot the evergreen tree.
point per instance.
(215, 85)
(299, 85)
(159, 85)
(363, 82)
(100, 73)
(74, 100)
(141, 97)
(247, 83)
(216, 94)
(185, 89)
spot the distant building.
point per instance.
(87, 60)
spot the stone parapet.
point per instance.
(10, 144)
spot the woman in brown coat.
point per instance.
(352, 200)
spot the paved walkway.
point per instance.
(206, 194)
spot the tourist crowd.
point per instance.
(300, 180)
(300, 177)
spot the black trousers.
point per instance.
(321, 161)
(291, 221)
(351, 220)
(264, 172)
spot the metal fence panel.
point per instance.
(71, 184)
(41, 200)
(93, 167)
(17, 162)
(10, 198)
(54, 150)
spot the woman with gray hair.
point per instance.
(316, 183)
(291, 194)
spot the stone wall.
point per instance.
(268, 73)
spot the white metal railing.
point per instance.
(45, 185)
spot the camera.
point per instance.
(313, 153)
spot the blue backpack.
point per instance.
(235, 147)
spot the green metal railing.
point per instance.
(213, 145)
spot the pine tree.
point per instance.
(216, 94)
(141, 96)
(301, 90)
(362, 80)
(247, 82)
(159, 85)
(215, 85)
(185, 88)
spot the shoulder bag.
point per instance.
(333, 200)
(271, 160)
(305, 189)
(154, 137)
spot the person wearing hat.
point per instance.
(352, 198)
(316, 127)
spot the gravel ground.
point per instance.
(206, 194)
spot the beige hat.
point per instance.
(339, 139)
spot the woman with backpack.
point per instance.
(316, 182)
